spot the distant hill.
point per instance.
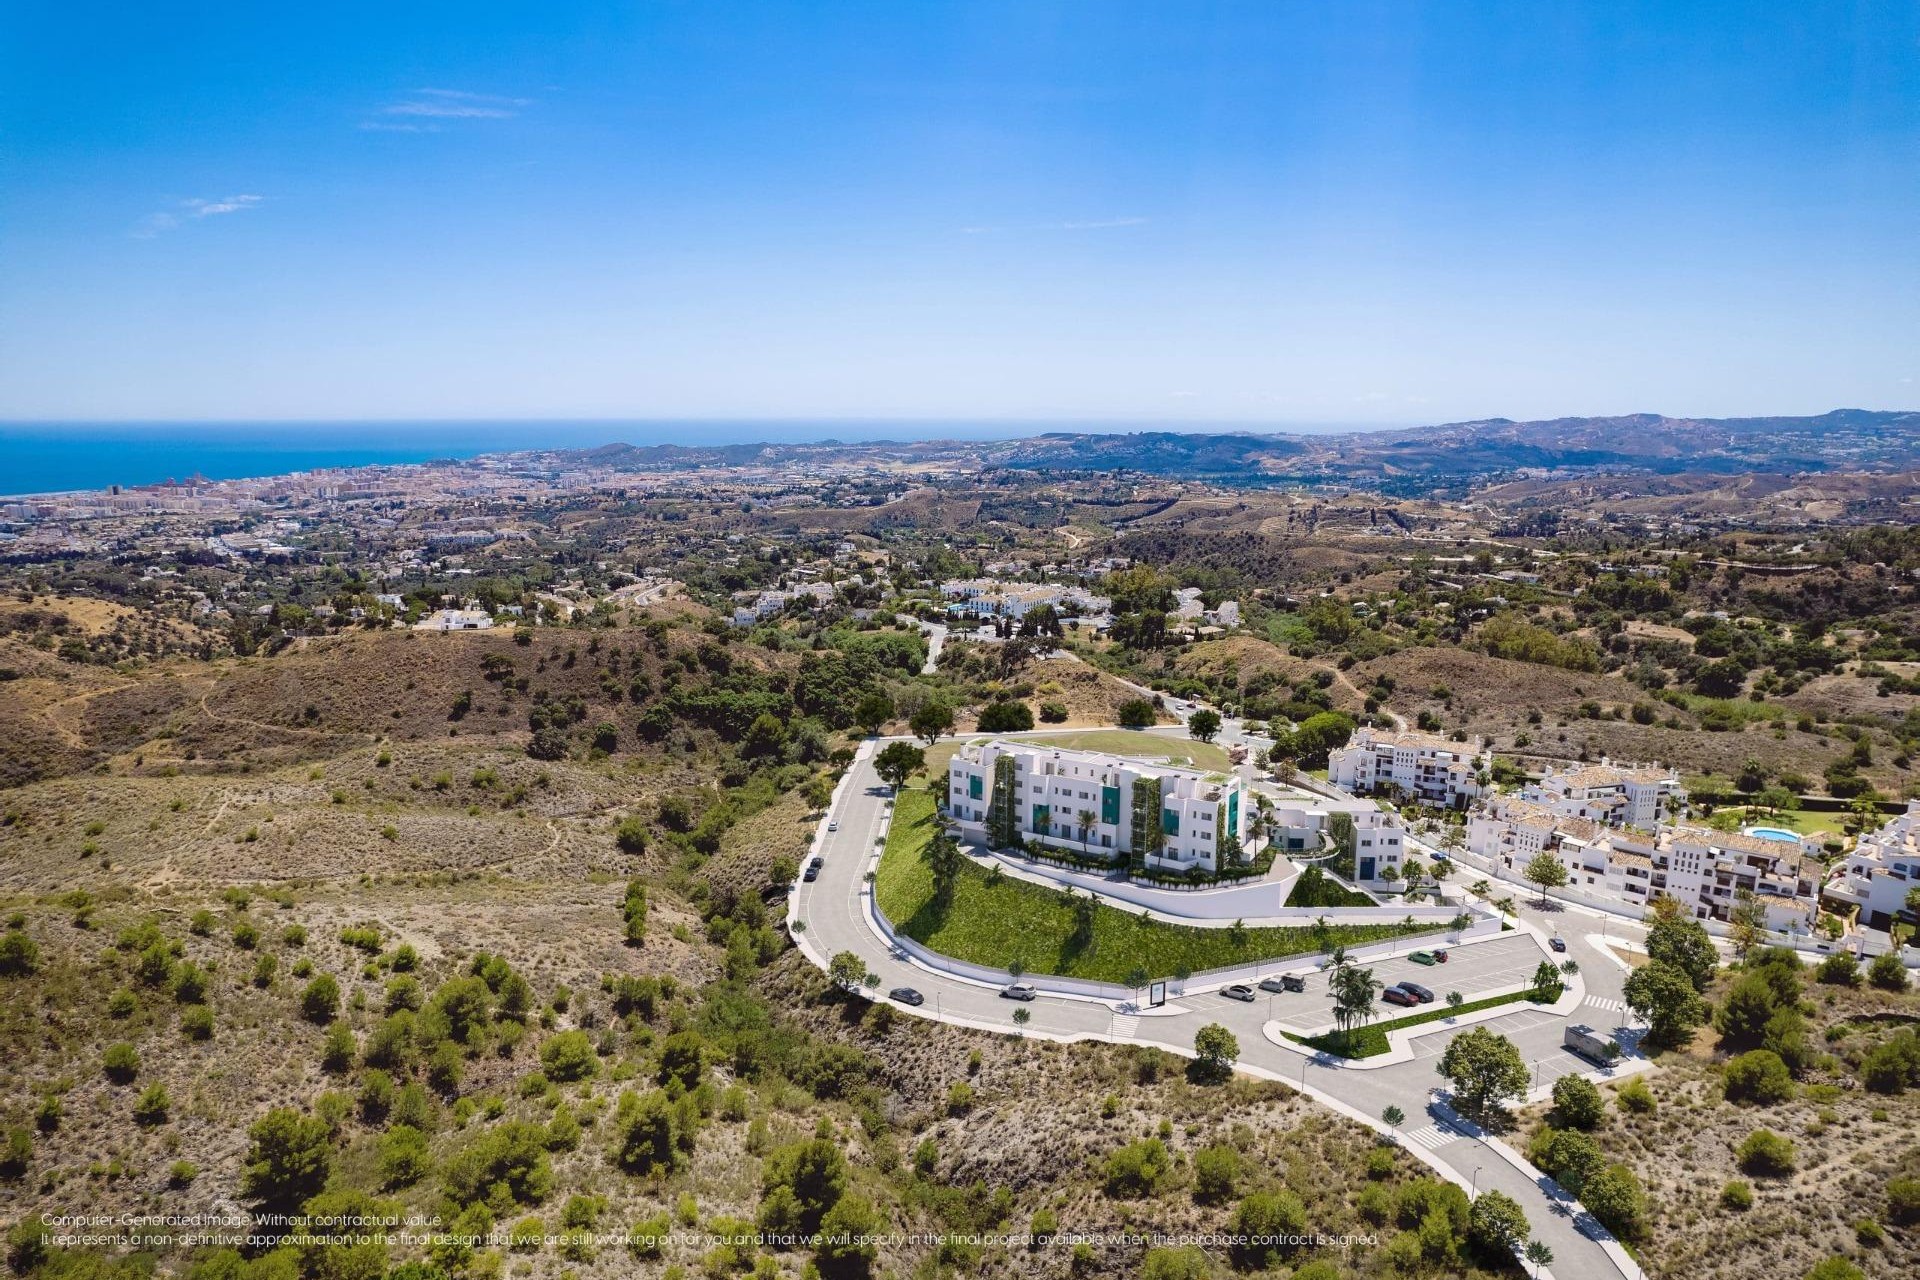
(1841, 440)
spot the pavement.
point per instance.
(830, 915)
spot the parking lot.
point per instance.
(1478, 969)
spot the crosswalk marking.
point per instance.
(1123, 1026)
(1606, 1002)
(1431, 1136)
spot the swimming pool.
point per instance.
(1774, 833)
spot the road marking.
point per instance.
(1123, 1026)
(1606, 1002)
(1431, 1136)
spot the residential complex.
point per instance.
(1156, 816)
(990, 598)
(1709, 872)
(1880, 875)
(1610, 794)
(1410, 765)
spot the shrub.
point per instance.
(1136, 1170)
(569, 1056)
(19, 955)
(121, 1063)
(1216, 1171)
(1840, 970)
(320, 1001)
(1578, 1102)
(1766, 1154)
(630, 835)
(1265, 1221)
(288, 1158)
(1887, 972)
(1617, 1200)
(196, 1022)
(1737, 1195)
(403, 1156)
(1634, 1096)
(1835, 1268)
(512, 1155)
(1758, 1076)
(1903, 1201)
(337, 1049)
(152, 1107)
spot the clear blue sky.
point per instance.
(1268, 212)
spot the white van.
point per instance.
(1590, 1044)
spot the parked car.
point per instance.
(1418, 992)
(1423, 957)
(1557, 942)
(1285, 982)
(906, 995)
(1018, 991)
(812, 872)
(833, 826)
(1238, 991)
(1398, 995)
(1440, 954)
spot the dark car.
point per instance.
(811, 874)
(1440, 954)
(1018, 991)
(1557, 942)
(1238, 991)
(906, 995)
(1417, 991)
(1285, 982)
(1397, 995)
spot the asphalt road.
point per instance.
(833, 910)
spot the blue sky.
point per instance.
(1274, 212)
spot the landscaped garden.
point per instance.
(999, 920)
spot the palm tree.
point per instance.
(1353, 990)
(1087, 818)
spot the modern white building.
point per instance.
(1156, 816)
(1416, 766)
(1881, 871)
(1709, 872)
(455, 620)
(1298, 827)
(1610, 794)
(990, 598)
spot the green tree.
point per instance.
(1264, 1224)
(1665, 998)
(289, 1156)
(849, 1235)
(1136, 713)
(845, 970)
(1616, 1198)
(1544, 872)
(1216, 1051)
(1497, 1225)
(1485, 1069)
(944, 860)
(1204, 724)
(321, 999)
(1681, 942)
(1353, 989)
(873, 710)
(898, 761)
(1577, 1102)
(931, 722)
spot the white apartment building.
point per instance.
(1417, 766)
(1298, 827)
(1881, 871)
(1087, 802)
(455, 620)
(1707, 871)
(1612, 795)
(988, 598)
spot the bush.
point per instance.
(121, 1063)
(569, 1056)
(1634, 1096)
(1137, 1170)
(631, 835)
(1835, 1268)
(1840, 970)
(1737, 1195)
(1578, 1102)
(1264, 1221)
(1216, 1170)
(1617, 1200)
(196, 1022)
(1887, 972)
(403, 1156)
(1758, 1076)
(1006, 717)
(19, 956)
(1766, 1154)
(320, 1001)
(1903, 1201)
(153, 1105)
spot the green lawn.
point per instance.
(1371, 1040)
(1184, 752)
(998, 923)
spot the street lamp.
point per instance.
(1475, 1193)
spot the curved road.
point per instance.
(832, 916)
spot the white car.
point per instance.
(833, 826)
(1018, 991)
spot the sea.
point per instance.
(58, 457)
